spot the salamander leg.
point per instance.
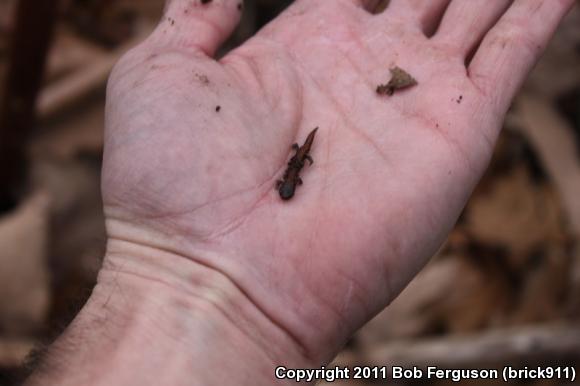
(309, 158)
(299, 180)
(295, 146)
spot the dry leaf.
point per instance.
(400, 79)
(515, 213)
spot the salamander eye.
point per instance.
(286, 191)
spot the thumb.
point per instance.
(197, 25)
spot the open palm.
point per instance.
(194, 146)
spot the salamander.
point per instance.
(287, 185)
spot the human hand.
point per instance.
(189, 191)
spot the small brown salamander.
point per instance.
(287, 185)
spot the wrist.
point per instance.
(156, 315)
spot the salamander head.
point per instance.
(286, 190)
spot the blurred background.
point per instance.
(504, 290)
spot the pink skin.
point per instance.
(390, 174)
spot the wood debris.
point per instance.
(400, 79)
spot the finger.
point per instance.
(511, 48)
(425, 12)
(198, 24)
(466, 22)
